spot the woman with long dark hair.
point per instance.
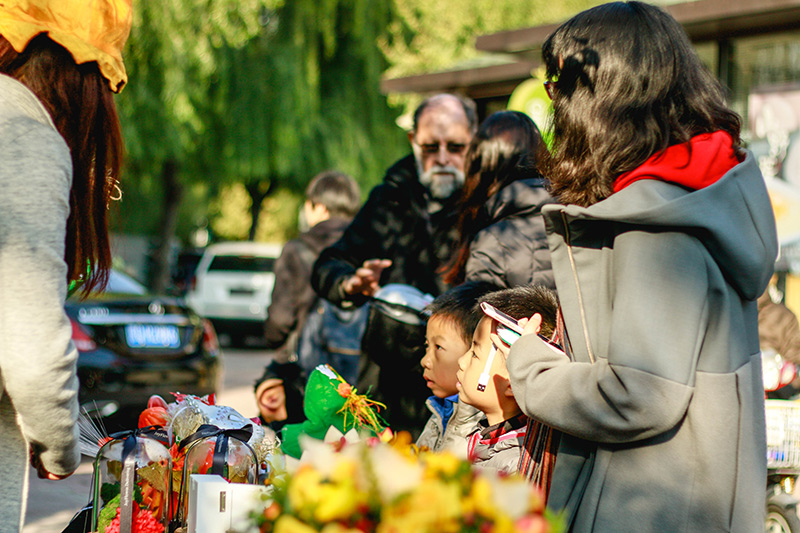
(59, 164)
(663, 241)
(501, 232)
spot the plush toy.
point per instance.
(331, 402)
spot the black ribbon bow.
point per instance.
(127, 480)
(220, 457)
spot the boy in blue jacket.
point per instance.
(453, 318)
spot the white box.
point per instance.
(217, 506)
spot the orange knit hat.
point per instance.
(92, 30)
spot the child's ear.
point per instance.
(502, 384)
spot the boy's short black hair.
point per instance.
(524, 302)
(460, 305)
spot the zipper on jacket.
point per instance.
(577, 287)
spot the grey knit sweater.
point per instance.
(38, 383)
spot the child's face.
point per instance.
(443, 346)
(472, 364)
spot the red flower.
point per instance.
(143, 522)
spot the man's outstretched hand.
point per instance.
(365, 280)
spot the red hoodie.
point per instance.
(695, 165)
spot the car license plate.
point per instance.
(152, 336)
(242, 291)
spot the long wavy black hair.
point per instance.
(627, 85)
(502, 151)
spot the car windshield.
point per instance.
(119, 283)
(242, 263)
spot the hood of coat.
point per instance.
(733, 219)
(519, 198)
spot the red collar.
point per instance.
(695, 165)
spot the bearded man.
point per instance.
(403, 234)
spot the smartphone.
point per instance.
(511, 323)
(494, 313)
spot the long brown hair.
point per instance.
(82, 108)
(628, 84)
(502, 151)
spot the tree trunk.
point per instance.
(173, 193)
(258, 192)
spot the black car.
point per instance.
(132, 345)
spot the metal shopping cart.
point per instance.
(783, 465)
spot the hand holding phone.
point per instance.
(512, 324)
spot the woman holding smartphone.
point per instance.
(501, 231)
(663, 240)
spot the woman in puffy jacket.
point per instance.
(501, 231)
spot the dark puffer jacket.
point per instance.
(395, 224)
(512, 250)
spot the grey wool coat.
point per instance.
(662, 407)
(38, 385)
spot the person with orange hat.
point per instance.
(60, 156)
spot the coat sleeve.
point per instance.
(37, 357)
(283, 310)
(369, 236)
(642, 384)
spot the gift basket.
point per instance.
(131, 482)
(216, 451)
(138, 474)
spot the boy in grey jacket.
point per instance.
(483, 381)
(454, 316)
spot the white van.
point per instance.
(232, 287)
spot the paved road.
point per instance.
(51, 504)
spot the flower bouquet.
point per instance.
(139, 473)
(392, 487)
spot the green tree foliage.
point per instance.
(255, 92)
(432, 36)
(303, 95)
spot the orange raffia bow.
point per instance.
(364, 410)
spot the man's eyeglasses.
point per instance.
(550, 87)
(433, 148)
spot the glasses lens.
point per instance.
(433, 148)
(455, 148)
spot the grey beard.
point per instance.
(442, 182)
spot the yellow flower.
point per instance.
(433, 506)
(441, 464)
(338, 501)
(480, 500)
(305, 491)
(345, 468)
(338, 528)
(290, 524)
